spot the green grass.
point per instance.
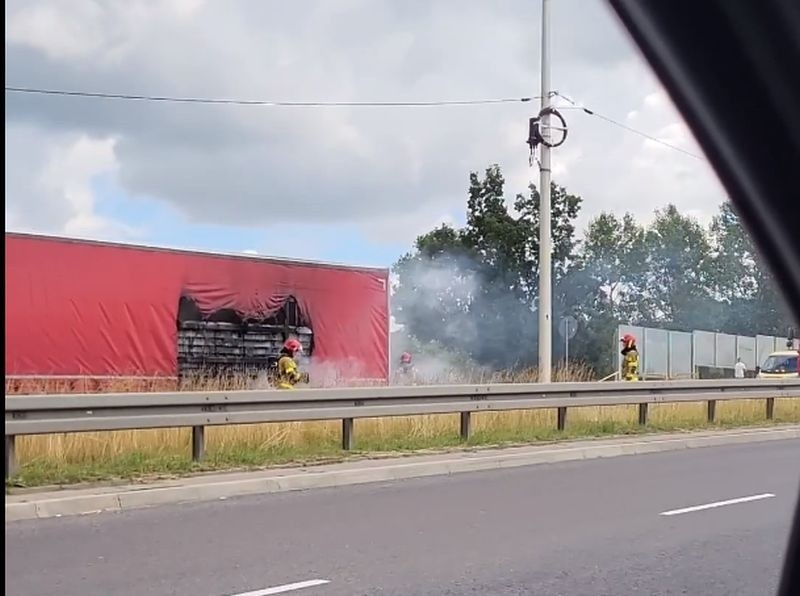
(141, 456)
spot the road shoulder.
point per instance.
(216, 486)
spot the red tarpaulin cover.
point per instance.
(84, 308)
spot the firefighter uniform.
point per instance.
(288, 374)
(630, 359)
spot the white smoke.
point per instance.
(329, 373)
(261, 382)
(322, 374)
(447, 285)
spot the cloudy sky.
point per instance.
(352, 185)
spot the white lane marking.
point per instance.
(285, 588)
(718, 504)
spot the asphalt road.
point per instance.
(576, 528)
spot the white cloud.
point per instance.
(59, 34)
(71, 168)
(657, 100)
(622, 172)
(405, 227)
(674, 133)
(99, 32)
(395, 173)
(51, 186)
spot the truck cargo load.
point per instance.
(78, 308)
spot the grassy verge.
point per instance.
(143, 455)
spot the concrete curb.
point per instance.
(222, 486)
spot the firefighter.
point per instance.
(630, 358)
(405, 372)
(288, 374)
(405, 363)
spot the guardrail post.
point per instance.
(466, 425)
(770, 408)
(643, 414)
(712, 410)
(11, 455)
(347, 434)
(562, 418)
(198, 443)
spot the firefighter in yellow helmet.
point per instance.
(630, 358)
(288, 373)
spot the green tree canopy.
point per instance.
(474, 289)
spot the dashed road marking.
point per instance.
(285, 588)
(718, 504)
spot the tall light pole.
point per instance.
(545, 241)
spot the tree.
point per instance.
(436, 287)
(604, 287)
(677, 292)
(742, 282)
(734, 261)
(473, 289)
(565, 210)
(615, 257)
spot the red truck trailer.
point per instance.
(78, 308)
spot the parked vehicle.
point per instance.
(779, 365)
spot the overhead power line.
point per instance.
(320, 104)
(635, 131)
(265, 102)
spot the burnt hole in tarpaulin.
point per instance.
(225, 344)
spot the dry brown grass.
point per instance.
(372, 434)
(387, 433)
(34, 386)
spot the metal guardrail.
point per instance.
(48, 414)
